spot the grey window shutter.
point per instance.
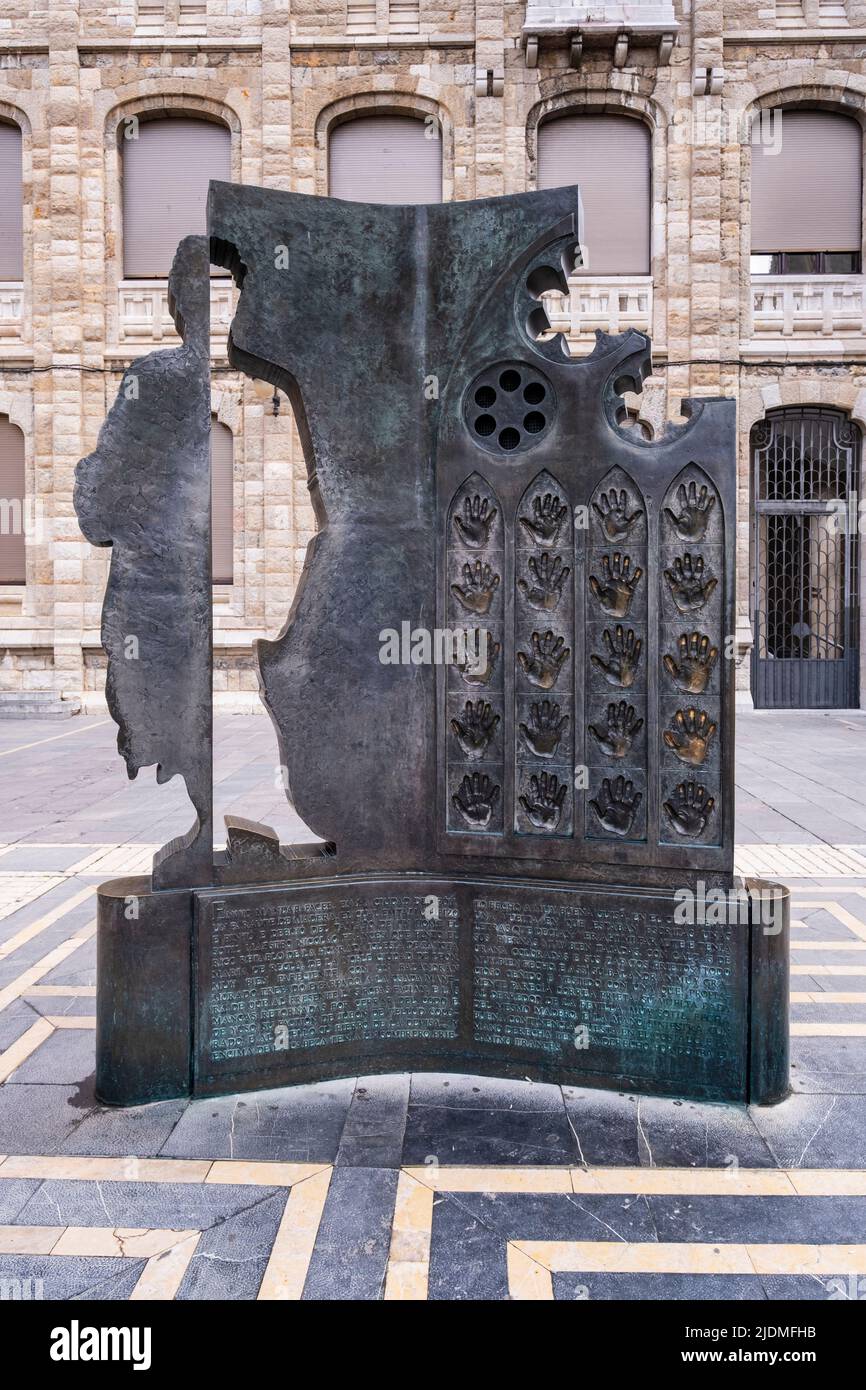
(166, 172)
(222, 502)
(610, 158)
(12, 543)
(11, 204)
(385, 159)
(806, 182)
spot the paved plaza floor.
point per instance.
(429, 1186)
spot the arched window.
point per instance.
(385, 159)
(222, 502)
(609, 157)
(167, 165)
(12, 515)
(11, 204)
(806, 193)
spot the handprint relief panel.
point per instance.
(602, 593)
(544, 660)
(615, 606)
(474, 683)
(691, 607)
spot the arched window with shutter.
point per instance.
(385, 159)
(11, 204)
(12, 516)
(610, 158)
(806, 193)
(222, 502)
(166, 171)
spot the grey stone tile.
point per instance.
(689, 1134)
(605, 1127)
(470, 1120)
(814, 1131)
(232, 1256)
(180, 1206)
(56, 1278)
(302, 1124)
(138, 1130)
(761, 1220)
(68, 1056)
(15, 1193)
(351, 1253)
(467, 1257)
(659, 1287)
(375, 1123)
(15, 1019)
(37, 1119)
(829, 1066)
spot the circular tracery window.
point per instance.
(509, 408)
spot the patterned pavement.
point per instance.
(439, 1187)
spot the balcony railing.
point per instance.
(11, 310)
(801, 306)
(611, 303)
(143, 316)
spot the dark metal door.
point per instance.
(806, 477)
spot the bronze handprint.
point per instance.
(475, 525)
(476, 668)
(612, 511)
(691, 520)
(545, 589)
(623, 650)
(548, 514)
(545, 660)
(615, 589)
(480, 583)
(617, 735)
(696, 661)
(689, 588)
(689, 809)
(544, 803)
(690, 735)
(475, 728)
(545, 729)
(616, 805)
(476, 799)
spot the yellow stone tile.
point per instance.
(29, 1240)
(22, 1048)
(646, 1257)
(262, 1174)
(71, 1020)
(828, 1030)
(102, 1240)
(34, 973)
(407, 1282)
(808, 1259)
(120, 1169)
(64, 991)
(444, 1179)
(529, 1280)
(162, 1275)
(292, 1249)
(48, 919)
(823, 1182)
(828, 945)
(709, 1182)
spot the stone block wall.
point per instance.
(279, 73)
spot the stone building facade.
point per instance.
(280, 76)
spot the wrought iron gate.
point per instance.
(806, 478)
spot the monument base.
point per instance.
(670, 993)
